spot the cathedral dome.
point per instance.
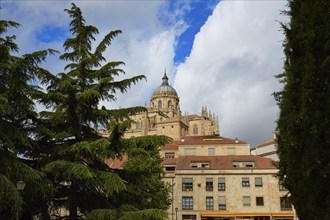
(165, 88)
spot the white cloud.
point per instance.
(231, 68)
(146, 44)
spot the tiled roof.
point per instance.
(203, 140)
(117, 163)
(169, 161)
(224, 162)
(171, 146)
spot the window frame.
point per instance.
(222, 203)
(209, 203)
(245, 182)
(245, 199)
(187, 184)
(187, 203)
(209, 184)
(260, 201)
(221, 184)
(169, 154)
(258, 183)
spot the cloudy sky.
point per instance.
(219, 54)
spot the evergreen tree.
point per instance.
(76, 154)
(146, 196)
(304, 124)
(18, 125)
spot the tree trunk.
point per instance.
(73, 204)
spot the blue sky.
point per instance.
(223, 55)
(195, 17)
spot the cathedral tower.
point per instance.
(166, 99)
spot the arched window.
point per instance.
(160, 104)
(195, 129)
(169, 103)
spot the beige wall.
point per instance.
(234, 191)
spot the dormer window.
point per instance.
(205, 165)
(169, 155)
(243, 164)
(200, 164)
(169, 168)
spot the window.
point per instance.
(246, 201)
(200, 164)
(209, 184)
(187, 203)
(243, 164)
(258, 182)
(259, 201)
(221, 184)
(160, 104)
(187, 184)
(209, 203)
(211, 151)
(195, 129)
(205, 165)
(170, 168)
(285, 203)
(222, 203)
(169, 154)
(245, 182)
(169, 103)
(139, 125)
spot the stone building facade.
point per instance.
(164, 117)
(216, 178)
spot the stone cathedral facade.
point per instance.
(164, 117)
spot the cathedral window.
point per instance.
(139, 125)
(169, 103)
(160, 104)
(195, 129)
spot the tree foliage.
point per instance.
(304, 124)
(74, 155)
(18, 124)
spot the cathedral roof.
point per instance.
(165, 88)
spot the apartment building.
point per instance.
(216, 178)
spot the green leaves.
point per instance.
(303, 126)
(108, 214)
(68, 171)
(147, 214)
(9, 197)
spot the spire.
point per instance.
(165, 79)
